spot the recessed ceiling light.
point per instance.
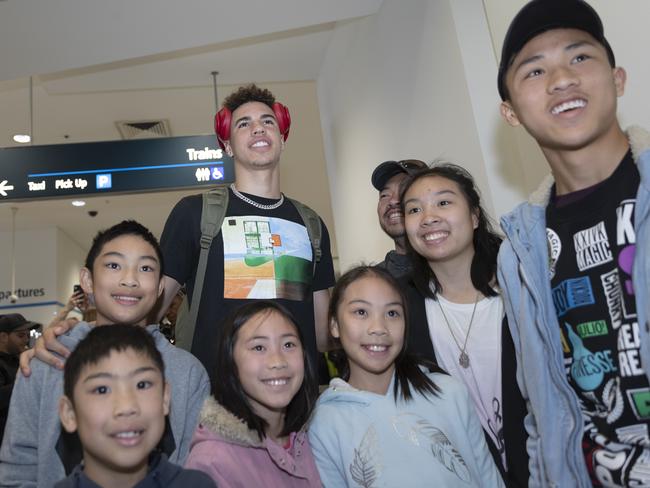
(78, 203)
(22, 138)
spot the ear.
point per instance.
(167, 395)
(86, 280)
(334, 328)
(509, 115)
(161, 286)
(620, 77)
(67, 415)
(228, 148)
(475, 219)
(282, 143)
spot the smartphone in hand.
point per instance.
(78, 296)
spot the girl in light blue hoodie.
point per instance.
(388, 421)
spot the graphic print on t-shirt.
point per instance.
(266, 258)
(594, 300)
(592, 247)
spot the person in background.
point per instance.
(386, 178)
(14, 339)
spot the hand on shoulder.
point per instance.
(47, 345)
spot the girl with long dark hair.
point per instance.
(459, 320)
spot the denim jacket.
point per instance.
(554, 421)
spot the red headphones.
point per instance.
(224, 116)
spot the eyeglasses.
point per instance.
(411, 164)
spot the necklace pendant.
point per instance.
(463, 359)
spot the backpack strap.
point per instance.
(213, 211)
(314, 229)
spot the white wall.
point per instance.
(395, 86)
(36, 264)
(47, 267)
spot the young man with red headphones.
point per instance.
(263, 249)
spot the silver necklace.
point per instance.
(243, 197)
(463, 359)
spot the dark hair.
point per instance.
(407, 367)
(486, 241)
(124, 228)
(100, 342)
(248, 93)
(227, 388)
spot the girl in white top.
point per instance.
(454, 251)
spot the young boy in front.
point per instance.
(116, 399)
(574, 282)
(122, 275)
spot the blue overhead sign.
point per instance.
(65, 170)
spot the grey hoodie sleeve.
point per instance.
(190, 386)
(19, 452)
(199, 391)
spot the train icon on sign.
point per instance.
(104, 182)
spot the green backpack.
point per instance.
(215, 204)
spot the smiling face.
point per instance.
(563, 90)
(118, 409)
(370, 324)
(439, 222)
(125, 281)
(270, 363)
(255, 140)
(389, 210)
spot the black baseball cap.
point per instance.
(14, 321)
(539, 16)
(386, 170)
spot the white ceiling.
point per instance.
(92, 48)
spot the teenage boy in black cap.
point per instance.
(575, 293)
(14, 338)
(386, 178)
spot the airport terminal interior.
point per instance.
(365, 81)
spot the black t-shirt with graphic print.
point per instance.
(591, 251)
(259, 254)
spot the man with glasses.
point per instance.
(386, 178)
(14, 338)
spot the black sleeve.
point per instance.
(514, 411)
(419, 338)
(324, 274)
(5, 395)
(180, 239)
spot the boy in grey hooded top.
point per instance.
(122, 272)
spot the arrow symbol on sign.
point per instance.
(4, 187)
